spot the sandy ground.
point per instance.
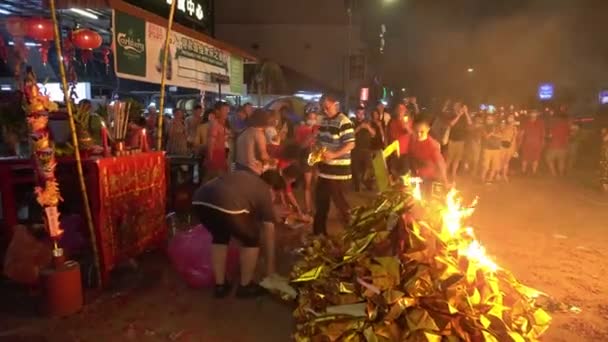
(552, 235)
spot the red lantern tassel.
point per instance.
(44, 52)
(86, 56)
(3, 51)
(106, 58)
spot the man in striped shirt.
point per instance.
(337, 135)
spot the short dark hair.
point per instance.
(140, 121)
(423, 121)
(221, 104)
(206, 115)
(197, 107)
(330, 98)
(274, 179)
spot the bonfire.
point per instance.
(398, 276)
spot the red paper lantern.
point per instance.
(86, 39)
(17, 26)
(41, 30)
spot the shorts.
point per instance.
(223, 226)
(491, 159)
(303, 160)
(556, 155)
(455, 151)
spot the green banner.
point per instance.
(130, 41)
(236, 74)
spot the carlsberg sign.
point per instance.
(130, 41)
(129, 44)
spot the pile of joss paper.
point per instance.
(398, 276)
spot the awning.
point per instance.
(141, 13)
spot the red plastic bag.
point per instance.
(190, 253)
(26, 256)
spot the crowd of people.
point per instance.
(253, 159)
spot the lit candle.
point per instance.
(104, 140)
(144, 141)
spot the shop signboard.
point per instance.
(236, 74)
(194, 14)
(130, 39)
(190, 62)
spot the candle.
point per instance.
(144, 141)
(104, 140)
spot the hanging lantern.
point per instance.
(106, 58)
(3, 51)
(68, 50)
(86, 40)
(17, 26)
(41, 30)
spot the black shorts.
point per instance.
(224, 226)
(303, 160)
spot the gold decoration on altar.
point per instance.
(37, 106)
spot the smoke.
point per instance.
(512, 47)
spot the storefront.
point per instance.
(127, 193)
(196, 61)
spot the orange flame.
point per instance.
(453, 230)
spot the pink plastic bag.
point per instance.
(190, 253)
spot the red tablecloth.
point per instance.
(127, 196)
(130, 216)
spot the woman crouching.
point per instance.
(239, 205)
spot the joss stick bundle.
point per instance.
(118, 120)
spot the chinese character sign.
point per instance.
(194, 14)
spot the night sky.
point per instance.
(513, 45)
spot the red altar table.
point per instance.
(127, 197)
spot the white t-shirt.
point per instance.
(271, 135)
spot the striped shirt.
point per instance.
(334, 133)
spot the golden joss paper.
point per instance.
(424, 280)
(316, 155)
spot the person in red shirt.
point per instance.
(425, 155)
(532, 137)
(557, 150)
(305, 136)
(216, 161)
(400, 129)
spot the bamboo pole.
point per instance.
(159, 132)
(83, 186)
